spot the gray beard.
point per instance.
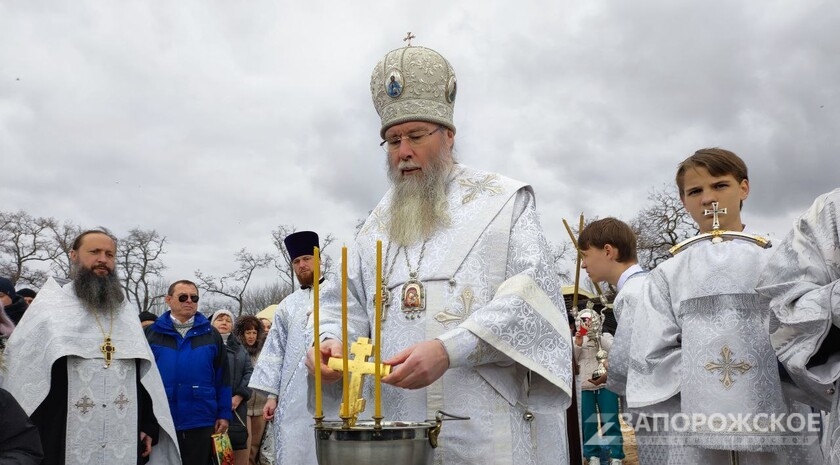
(101, 294)
(418, 206)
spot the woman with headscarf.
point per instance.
(240, 375)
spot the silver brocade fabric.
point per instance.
(494, 340)
(280, 370)
(625, 306)
(695, 305)
(801, 281)
(40, 339)
(101, 412)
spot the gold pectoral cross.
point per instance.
(108, 351)
(358, 367)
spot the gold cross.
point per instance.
(121, 400)
(727, 367)
(408, 37)
(715, 212)
(358, 367)
(85, 404)
(108, 351)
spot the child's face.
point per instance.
(700, 189)
(596, 261)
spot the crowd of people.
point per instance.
(725, 353)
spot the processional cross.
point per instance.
(358, 367)
(715, 212)
(727, 366)
(108, 351)
(408, 37)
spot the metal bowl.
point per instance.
(395, 443)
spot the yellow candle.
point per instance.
(316, 276)
(377, 341)
(345, 353)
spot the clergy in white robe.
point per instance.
(801, 280)
(280, 369)
(475, 323)
(704, 357)
(93, 399)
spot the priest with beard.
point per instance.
(280, 371)
(486, 335)
(80, 367)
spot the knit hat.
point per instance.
(7, 287)
(222, 312)
(147, 316)
(301, 243)
(413, 84)
(26, 292)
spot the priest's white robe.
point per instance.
(281, 370)
(101, 403)
(706, 338)
(494, 299)
(801, 280)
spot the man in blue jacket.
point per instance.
(191, 358)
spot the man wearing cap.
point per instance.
(487, 335)
(14, 303)
(280, 369)
(80, 367)
(27, 294)
(147, 318)
(192, 360)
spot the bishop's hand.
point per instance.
(418, 366)
(329, 348)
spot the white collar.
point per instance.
(635, 268)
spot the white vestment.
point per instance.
(801, 279)
(281, 370)
(102, 402)
(626, 306)
(706, 338)
(493, 297)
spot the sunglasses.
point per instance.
(183, 298)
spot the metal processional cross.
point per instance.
(715, 212)
(408, 37)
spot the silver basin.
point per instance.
(396, 443)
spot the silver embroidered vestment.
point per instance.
(494, 301)
(801, 279)
(706, 338)
(280, 370)
(102, 403)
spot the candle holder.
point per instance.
(375, 442)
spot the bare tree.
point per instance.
(61, 238)
(24, 241)
(258, 298)
(661, 225)
(234, 284)
(283, 262)
(560, 255)
(139, 257)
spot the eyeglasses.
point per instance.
(183, 298)
(415, 139)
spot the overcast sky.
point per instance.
(214, 122)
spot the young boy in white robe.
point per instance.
(705, 342)
(608, 250)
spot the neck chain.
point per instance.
(106, 348)
(413, 274)
(413, 298)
